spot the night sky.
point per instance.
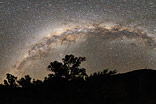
(113, 34)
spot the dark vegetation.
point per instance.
(70, 84)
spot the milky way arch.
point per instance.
(113, 47)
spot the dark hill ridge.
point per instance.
(135, 87)
(139, 72)
(138, 86)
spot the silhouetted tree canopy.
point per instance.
(69, 68)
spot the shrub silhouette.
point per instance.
(25, 82)
(104, 73)
(37, 83)
(69, 68)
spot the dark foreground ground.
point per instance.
(136, 87)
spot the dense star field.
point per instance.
(113, 34)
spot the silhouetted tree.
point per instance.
(69, 68)
(10, 81)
